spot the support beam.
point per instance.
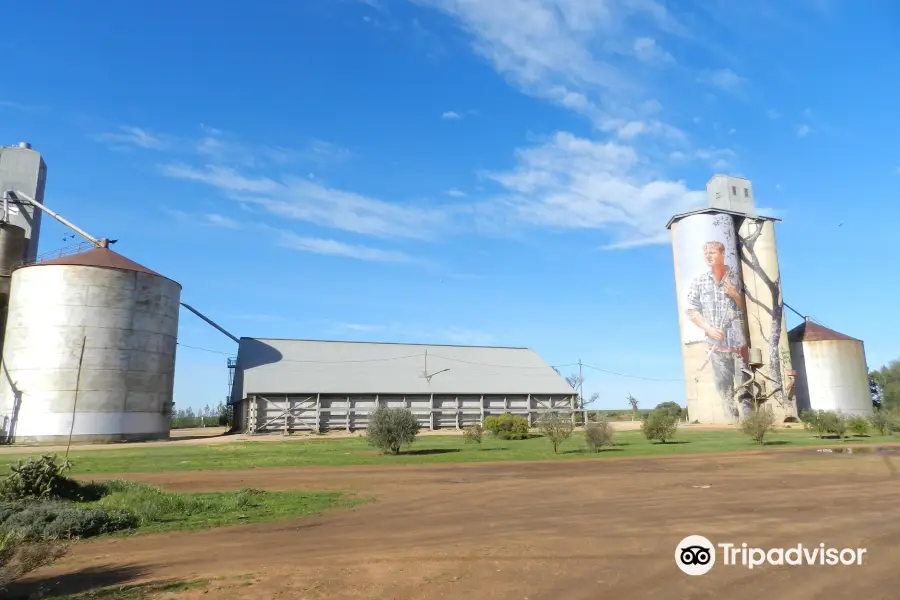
(348, 415)
(318, 413)
(482, 409)
(211, 322)
(431, 412)
(530, 420)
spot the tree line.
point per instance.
(884, 385)
(186, 418)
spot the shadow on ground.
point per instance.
(72, 583)
(426, 451)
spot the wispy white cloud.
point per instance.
(217, 220)
(134, 136)
(575, 183)
(310, 201)
(647, 50)
(548, 49)
(803, 130)
(725, 79)
(451, 115)
(221, 148)
(331, 247)
(455, 193)
(773, 114)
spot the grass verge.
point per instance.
(311, 451)
(134, 592)
(158, 510)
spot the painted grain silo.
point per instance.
(730, 309)
(89, 351)
(710, 312)
(831, 369)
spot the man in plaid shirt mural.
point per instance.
(716, 305)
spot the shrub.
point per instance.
(507, 426)
(598, 434)
(473, 433)
(757, 424)
(880, 421)
(19, 557)
(858, 425)
(659, 426)
(673, 409)
(555, 427)
(52, 520)
(836, 424)
(391, 428)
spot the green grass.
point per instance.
(426, 450)
(158, 510)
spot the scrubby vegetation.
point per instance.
(507, 426)
(392, 428)
(474, 433)
(41, 509)
(825, 423)
(557, 428)
(598, 434)
(758, 424)
(858, 426)
(659, 426)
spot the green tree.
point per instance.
(885, 385)
(672, 408)
(555, 427)
(391, 428)
(758, 424)
(660, 426)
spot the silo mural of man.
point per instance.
(716, 305)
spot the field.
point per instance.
(430, 449)
(572, 526)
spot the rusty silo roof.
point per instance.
(100, 257)
(809, 331)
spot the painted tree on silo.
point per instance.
(767, 299)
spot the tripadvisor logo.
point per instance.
(696, 555)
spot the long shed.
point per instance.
(290, 385)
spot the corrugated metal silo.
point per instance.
(12, 252)
(831, 368)
(124, 315)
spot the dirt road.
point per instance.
(535, 531)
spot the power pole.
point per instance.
(581, 393)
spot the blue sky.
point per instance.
(464, 171)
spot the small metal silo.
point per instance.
(89, 351)
(831, 370)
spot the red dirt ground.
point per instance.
(529, 531)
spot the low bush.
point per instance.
(824, 422)
(672, 408)
(556, 427)
(391, 428)
(507, 426)
(19, 557)
(659, 426)
(44, 479)
(858, 425)
(38, 521)
(758, 424)
(598, 434)
(473, 434)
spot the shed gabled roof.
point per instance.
(277, 366)
(809, 331)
